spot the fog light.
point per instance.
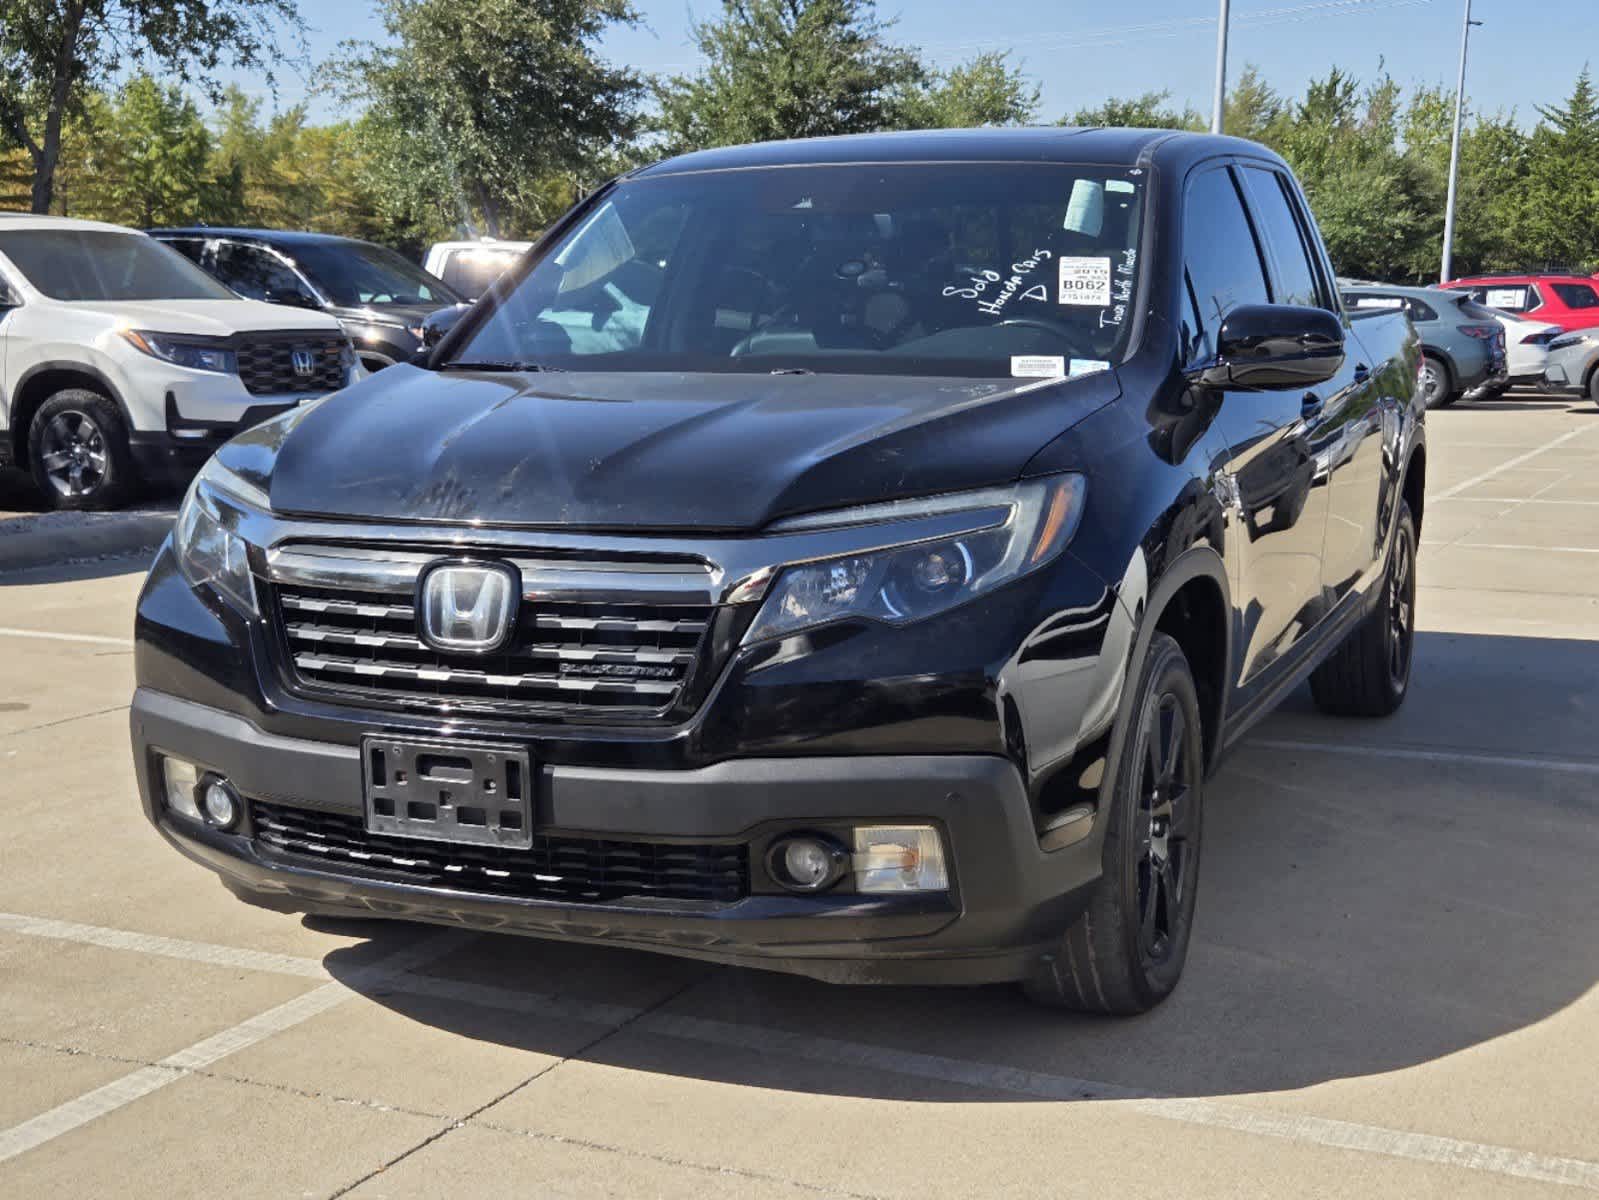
(181, 780)
(899, 858)
(806, 864)
(221, 802)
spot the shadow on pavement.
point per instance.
(1359, 914)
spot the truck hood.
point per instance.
(656, 451)
(211, 318)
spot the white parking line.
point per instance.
(1579, 766)
(119, 1093)
(394, 974)
(1509, 464)
(1459, 545)
(49, 635)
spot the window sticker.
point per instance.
(1088, 366)
(1512, 297)
(1038, 366)
(1085, 281)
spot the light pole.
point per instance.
(1220, 105)
(1454, 149)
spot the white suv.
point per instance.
(121, 361)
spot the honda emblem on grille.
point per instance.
(468, 608)
(304, 361)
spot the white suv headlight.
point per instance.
(197, 354)
(210, 551)
(1033, 522)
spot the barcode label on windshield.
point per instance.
(1085, 281)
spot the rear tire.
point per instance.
(1436, 382)
(78, 451)
(1125, 954)
(1593, 385)
(1369, 674)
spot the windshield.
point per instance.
(104, 264)
(356, 273)
(968, 269)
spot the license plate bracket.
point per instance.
(447, 791)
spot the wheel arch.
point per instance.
(43, 380)
(1191, 601)
(1413, 486)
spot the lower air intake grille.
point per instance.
(575, 870)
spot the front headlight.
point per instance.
(1031, 524)
(1569, 339)
(210, 551)
(183, 352)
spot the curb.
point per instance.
(44, 543)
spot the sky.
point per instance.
(1525, 53)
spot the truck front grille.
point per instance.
(267, 363)
(575, 870)
(612, 658)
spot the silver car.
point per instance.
(1574, 363)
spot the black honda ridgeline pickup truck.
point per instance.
(848, 557)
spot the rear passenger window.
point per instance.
(1295, 276)
(1220, 255)
(1576, 295)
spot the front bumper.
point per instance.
(1008, 903)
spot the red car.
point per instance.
(1569, 301)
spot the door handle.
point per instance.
(1310, 407)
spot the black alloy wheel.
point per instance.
(1401, 609)
(1125, 953)
(1164, 827)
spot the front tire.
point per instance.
(78, 451)
(1125, 954)
(1369, 674)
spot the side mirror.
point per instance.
(1274, 346)
(436, 324)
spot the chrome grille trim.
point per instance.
(316, 662)
(595, 639)
(577, 581)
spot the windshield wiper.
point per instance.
(494, 364)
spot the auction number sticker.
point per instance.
(1085, 281)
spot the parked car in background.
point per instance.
(1574, 363)
(1462, 342)
(470, 267)
(1569, 301)
(1526, 349)
(876, 610)
(124, 362)
(380, 297)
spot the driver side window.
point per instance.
(1220, 257)
(256, 274)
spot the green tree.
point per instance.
(985, 91)
(149, 162)
(787, 69)
(476, 103)
(1253, 109)
(1562, 182)
(52, 51)
(1152, 110)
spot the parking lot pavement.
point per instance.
(1391, 990)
